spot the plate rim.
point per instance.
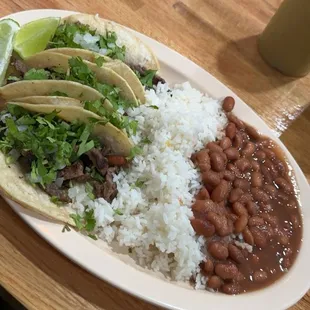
(47, 229)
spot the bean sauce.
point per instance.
(247, 209)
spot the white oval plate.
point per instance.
(107, 266)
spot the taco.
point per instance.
(48, 88)
(53, 100)
(44, 152)
(105, 37)
(111, 40)
(82, 71)
(103, 61)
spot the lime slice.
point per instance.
(33, 37)
(8, 28)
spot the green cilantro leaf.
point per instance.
(13, 78)
(118, 212)
(36, 74)
(147, 78)
(136, 150)
(66, 228)
(99, 61)
(146, 140)
(94, 237)
(155, 107)
(89, 190)
(78, 220)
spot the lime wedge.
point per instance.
(33, 37)
(8, 28)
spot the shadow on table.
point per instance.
(234, 60)
(74, 279)
(297, 139)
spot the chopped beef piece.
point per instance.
(142, 71)
(108, 189)
(53, 190)
(116, 160)
(84, 178)
(98, 160)
(20, 66)
(105, 151)
(71, 172)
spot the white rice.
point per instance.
(155, 220)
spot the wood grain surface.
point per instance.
(221, 37)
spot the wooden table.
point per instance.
(221, 37)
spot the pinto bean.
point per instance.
(213, 147)
(271, 168)
(242, 183)
(296, 220)
(203, 228)
(241, 223)
(272, 220)
(284, 185)
(259, 195)
(232, 153)
(220, 192)
(218, 250)
(234, 119)
(225, 143)
(236, 254)
(253, 258)
(271, 190)
(211, 178)
(269, 153)
(255, 165)
(248, 150)
(202, 160)
(260, 155)
(214, 282)
(217, 162)
(248, 236)
(228, 175)
(233, 217)
(266, 174)
(230, 131)
(251, 207)
(228, 104)
(235, 195)
(202, 207)
(223, 225)
(252, 132)
(257, 179)
(287, 262)
(226, 271)
(256, 221)
(260, 276)
(208, 266)
(245, 198)
(243, 164)
(231, 288)
(239, 209)
(238, 140)
(203, 194)
(260, 238)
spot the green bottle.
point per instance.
(285, 42)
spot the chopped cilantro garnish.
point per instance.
(37, 74)
(65, 34)
(94, 174)
(13, 78)
(51, 141)
(56, 200)
(85, 223)
(155, 107)
(94, 237)
(78, 220)
(118, 120)
(118, 212)
(146, 140)
(139, 183)
(66, 228)
(99, 61)
(147, 78)
(136, 150)
(89, 190)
